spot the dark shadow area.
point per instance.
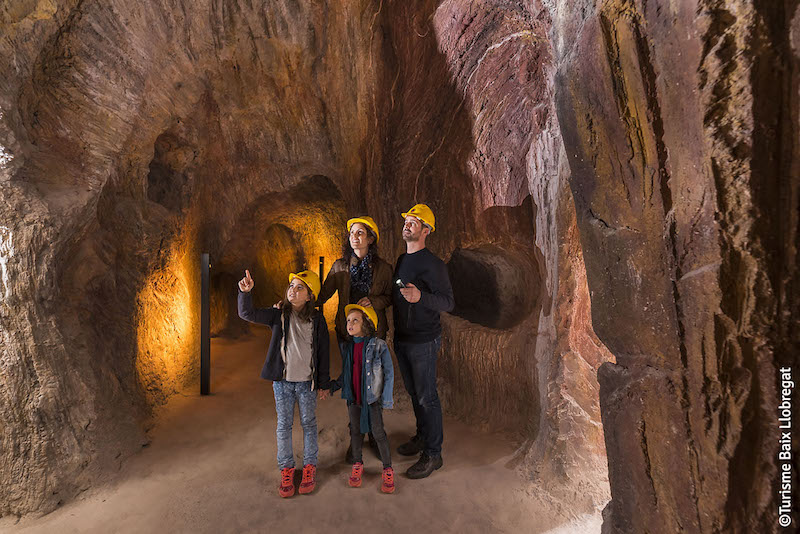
(225, 320)
(492, 287)
(167, 183)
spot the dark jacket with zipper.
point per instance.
(380, 294)
(279, 323)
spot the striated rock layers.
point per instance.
(133, 136)
(680, 123)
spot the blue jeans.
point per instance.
(286, 395)
(417, 363)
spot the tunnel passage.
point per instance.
(252, 134)
(282, 253)
(490, 364)
(638, 150)
(276, 234)
(492, 287)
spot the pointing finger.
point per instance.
(247, 274)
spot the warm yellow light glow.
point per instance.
(168, 326)
(317, 230)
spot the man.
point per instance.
(425, 293)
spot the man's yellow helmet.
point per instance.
(423, 213)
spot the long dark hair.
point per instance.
(347, 250)
(306, 312)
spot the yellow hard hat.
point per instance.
(369, 311)
(423, 213)
(309, 278)
(366, 221)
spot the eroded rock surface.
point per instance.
(133, 136)
(679, 190)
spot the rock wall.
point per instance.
(635, 159)
(133, 137)
(679, 122)
(477, 122)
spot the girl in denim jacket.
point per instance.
(367, 382)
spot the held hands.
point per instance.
(410, 293)
(246, 283)
(324, 394)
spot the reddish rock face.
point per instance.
(133, 136)
(661, 107)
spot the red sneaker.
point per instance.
(286, 489)
(355, 475)
(387, 485)
(309, 478)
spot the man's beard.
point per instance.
(408, 236)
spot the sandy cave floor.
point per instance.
(210, 467)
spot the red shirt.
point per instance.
(358, 364)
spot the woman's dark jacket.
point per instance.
(380, 294)
(279, 323)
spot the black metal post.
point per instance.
(205, 335)
(321, 275)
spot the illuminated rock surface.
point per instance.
(135, 135)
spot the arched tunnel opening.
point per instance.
(607, 200)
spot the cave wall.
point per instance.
(680, 124)
(134, 136)
(638, 156)
(472, 130)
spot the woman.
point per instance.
(360, 276)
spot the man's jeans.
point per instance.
(418, 366)
(286, 395)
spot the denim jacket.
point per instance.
(377, 373)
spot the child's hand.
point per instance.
(246, 283)
(324, 394)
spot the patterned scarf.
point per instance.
(361, 273)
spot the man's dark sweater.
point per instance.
(419, 322)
